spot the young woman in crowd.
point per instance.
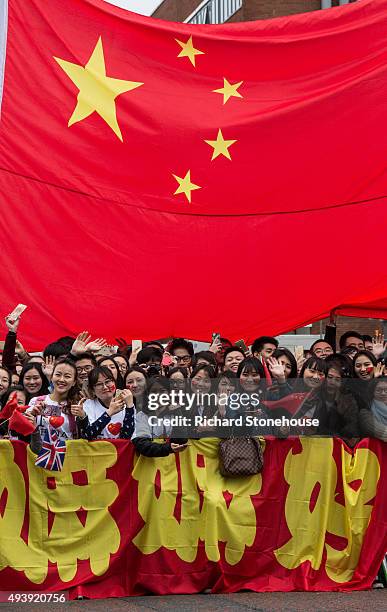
(136, 381)
(283, 369)
(251, 389)
(311, 378)
(373, 419)
(109, 363)
(5, 382)
(33, 380)
(178, 378)
(122, 364)
(110, 413)
(233, 356)
(338, 412)
(179, 382)
(55, 408)
(202, 379)
(225, 386)
(366, 368)
(146, 432)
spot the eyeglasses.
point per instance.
(107, 383)
(381, 391)
(184, 359)
(327, 351)
(87, 368)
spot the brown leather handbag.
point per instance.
(240, 457)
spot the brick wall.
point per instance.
(178, 10)
(175, 10)
(343, 324)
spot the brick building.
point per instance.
(220, 11)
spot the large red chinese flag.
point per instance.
(165, 179)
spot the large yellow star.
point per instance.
(188, 50)
(97, 92)
(185, 185)
(229, 90)
(220, 146)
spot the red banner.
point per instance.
(113, 524)
(165, 151)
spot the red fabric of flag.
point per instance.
(19, 423)
(146, 166)
(9, 407)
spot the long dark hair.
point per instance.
(367, 354)
(314, 363)
(34, 366)
(120, 381)
(73, 394)
(284, 352)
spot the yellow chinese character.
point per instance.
(14, 551)
(70, 540)
(311, 509)
(179, 525)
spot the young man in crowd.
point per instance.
(264, 346)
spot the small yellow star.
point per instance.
(188, 50)
(229, 90)
(220, 146)
(185, 185)
(97, 92)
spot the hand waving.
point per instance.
(83, 344)
(48, 366)
(378, 345)
(276, 368)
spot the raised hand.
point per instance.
(12, 325)
(122, 346)
(48, 366)
(80, 343)
(77, 409)
(215, 346)
(378, 345)
(276, 368)
(378, 370)
(83, 344)
(133, 356)
(95, 345)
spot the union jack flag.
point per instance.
(52, 454)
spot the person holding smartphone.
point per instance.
(109, 413)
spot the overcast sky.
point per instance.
(145, 7)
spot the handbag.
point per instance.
(240, 457)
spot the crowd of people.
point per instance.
(88, 390)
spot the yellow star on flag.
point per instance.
(188, 50)
(229, 90)
(220, 146)
(185, 185)
(97, 92)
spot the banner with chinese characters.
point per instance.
(114, 524)
(149, 146)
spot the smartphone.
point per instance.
(242, 345)
(215, 337)
(299, 352)
(17, 312)
(136, 344)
